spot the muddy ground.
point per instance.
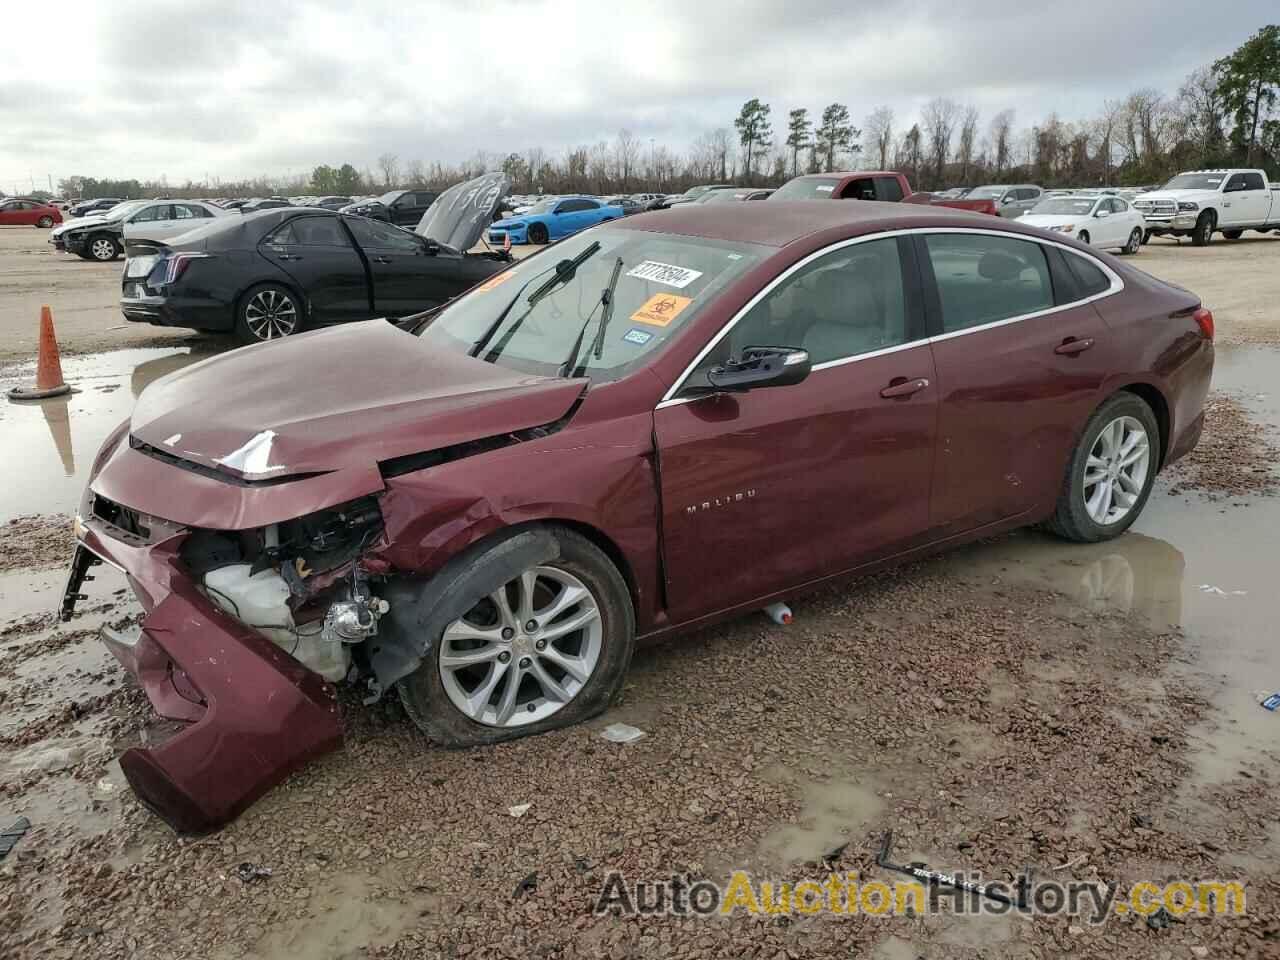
(1085, 711)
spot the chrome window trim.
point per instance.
(1117, 284)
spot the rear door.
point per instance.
(318, 254)
(405, 276)
(769, 489)
(1020, 354)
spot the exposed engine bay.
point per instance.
(297, 583)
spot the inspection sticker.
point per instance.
(638, 337)
(495, 281)
(660, 309)
(672, 276)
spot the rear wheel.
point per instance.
(103, 247)
(547, 648)
(1146, 236)
(538, 233)
(1134, 244)
(1084, 236)
(1203, 232)
(46, 222)
(1109, 476)
(1232, 234)
(268, 312)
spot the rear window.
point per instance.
(807, 188)
(664, 282)
(982, 278)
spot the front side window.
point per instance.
(862, 189)
(663, 284)
(844, 304)
(372, 233)
(160, 211)
(983, 278)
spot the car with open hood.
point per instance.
(553, 219)
(651, 426)
(278, 272)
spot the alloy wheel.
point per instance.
(523, 652)
(1135, 241)
(270, 314)
(1116, 472)
(103, 249)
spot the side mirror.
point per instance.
(762, 367)
(1102, 213)
(1007, 200)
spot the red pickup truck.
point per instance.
(869, 185)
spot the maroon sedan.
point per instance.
(654, 424)
(22, 211)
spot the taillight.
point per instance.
(177, 265)
(1204, 319)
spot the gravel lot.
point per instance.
(1086, 712)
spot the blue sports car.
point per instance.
(553, 219)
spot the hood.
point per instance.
(337, 399)
(460, 214)
(519, 218)
(78, 222)
(1044, 220)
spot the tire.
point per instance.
(433, 694)
(1083, 237)
(269, 311)
(1232, 234)
(45, 222)
(1134, 244)
(538, 233)
(103, 247)
(1146, 237)
(1202, 235)
(1073, 517)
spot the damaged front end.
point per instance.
(243, 635)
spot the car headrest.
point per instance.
(1000, 266)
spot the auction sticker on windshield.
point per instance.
(671, 275)
(660, 309)
(495, 281)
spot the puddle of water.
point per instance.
(833, 813)
(59, 438)
(1207, 567)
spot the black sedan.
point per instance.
(274, 273)
(401, 207)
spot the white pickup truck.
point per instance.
(1201, 203)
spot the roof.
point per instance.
(847, 174)
(780, 222)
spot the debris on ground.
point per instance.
(252, 873)
(519, 810)
(621, 733)
(1236, 455)
(10, 836)
(35, 541)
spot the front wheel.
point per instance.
(1134, 244)
(545, 648)
(268, 312)
(1084, 236)
(45, 222)
(103, 247)
(538, 233)
(1110, 474)
(1146, 237)
(1203, 232)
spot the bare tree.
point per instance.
(1203, 114)
(968, 134)
(1104, 136)
(1001, 137)
(535, 158)
(721, 145)
(390, 167)
(880, 129)
(626, 150)
(939, 118)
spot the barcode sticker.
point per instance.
(666, 273)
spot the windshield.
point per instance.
(807, 188)
(720, 196)
(663, 283)
(120, 209)
(1195, 181)
(1065, 206)
(985, 193)
(542, 206)
(387, 199)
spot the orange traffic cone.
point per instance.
(49, 382)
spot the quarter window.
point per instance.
(983, 278)
(1089, 278)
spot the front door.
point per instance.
(1018, 370)
(317, 253)
(405, 278)
(1245, 200)
(769, 489)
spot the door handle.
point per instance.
(290, 256)
(901, 388)
(1071, 346)
(381, 259)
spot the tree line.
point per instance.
(1223, 114)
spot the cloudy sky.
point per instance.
(238, 88)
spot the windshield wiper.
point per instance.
(565, 270)
(597, 347)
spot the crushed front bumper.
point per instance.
(254, 714)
